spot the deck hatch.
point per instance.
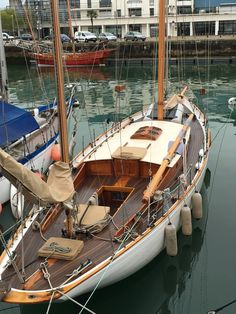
(113, 196)
(147, 133)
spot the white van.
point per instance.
(85, 36)
(6, 36)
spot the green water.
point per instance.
(203, 275)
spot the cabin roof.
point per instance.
(170, 130)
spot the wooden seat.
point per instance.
(92, 217)
(127, 152)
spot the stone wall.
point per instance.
(190, 48)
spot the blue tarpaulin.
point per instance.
(14, 123)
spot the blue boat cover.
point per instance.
(14, 123)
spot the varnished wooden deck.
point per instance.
(95, 249)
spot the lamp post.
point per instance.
(12, 25)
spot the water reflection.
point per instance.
(97, 88)
(77, 73)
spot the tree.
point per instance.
(11, 21)
(92, 14)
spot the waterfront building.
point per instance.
(185, 17)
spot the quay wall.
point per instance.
(215, 48)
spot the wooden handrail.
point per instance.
(150, 190)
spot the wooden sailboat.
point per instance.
(73, 59)
(27, 136)
(131, 189)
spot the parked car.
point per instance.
(6, 36)
(107, 37)
(65, 38)
(26, 37)
(85, 36)
(134, 36)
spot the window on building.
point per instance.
(135, 28)
(227, 27)
(63, 15)
(203, 10)
(96, 29)
(153, 30)
(105, 13)
(118, 13)
(183, 29)
(75, 4)
(114, 29)
(204, 28)
(135, 12)
(105, 3)
(75, 14)
(151, 11)
(184, 10)
(151, 3)
(89, 4)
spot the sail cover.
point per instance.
(14, 123)
(58, 188)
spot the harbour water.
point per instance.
(203, 275)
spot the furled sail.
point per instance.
(58, 188)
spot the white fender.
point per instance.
(232, 101)
(171, 240)
(16, 201)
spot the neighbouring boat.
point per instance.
(73, 59)
(28, 136)
(132, 189)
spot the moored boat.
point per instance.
(113, 215)
(73, 59)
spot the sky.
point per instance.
(4, 3)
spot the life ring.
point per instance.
(17, 202)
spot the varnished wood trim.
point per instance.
(37, 275)
(209, 138)
(50, 217)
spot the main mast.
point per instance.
(60, 82)
(161, 60)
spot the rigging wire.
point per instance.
(222, 307)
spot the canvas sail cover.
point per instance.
(58, 188)
(14, 123)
